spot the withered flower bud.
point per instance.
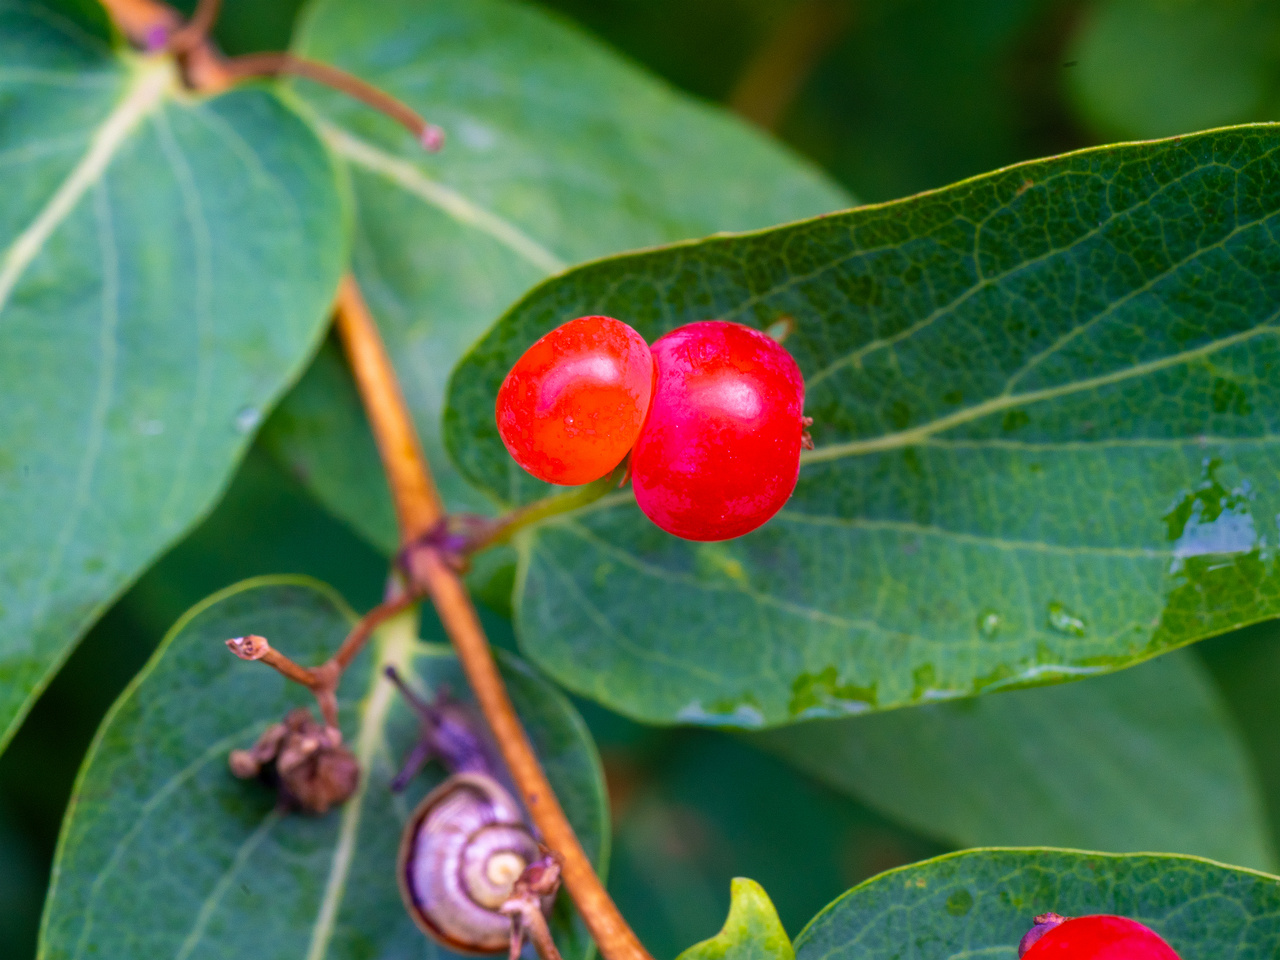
(303, 760)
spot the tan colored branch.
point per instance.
(269, 64)
(419, 509)
(774, 77)
(197, 28)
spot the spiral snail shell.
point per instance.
(462, 850)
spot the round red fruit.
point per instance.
(720, 452)
(573, 405)
(1099, 938)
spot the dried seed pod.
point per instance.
(303, 760)
(460, 856)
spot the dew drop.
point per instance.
(1064, 621)
(989, 624)
(248, 418)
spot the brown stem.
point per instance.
(197, 28)
(360, 633)
(778, 71)
(418, 507)
(265, 64)
(323, 680)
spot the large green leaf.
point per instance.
(1146, 759)
(1045, 409)
(979, 903)
(557, 151)
(166, 262)
(164, 854)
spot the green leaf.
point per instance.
(166, 263)
(1147, 759)
(979, 903)
(165, 854)
(1151, 68)
(1044, 411)
(691, 816)
(752, 931)
(558, 151)
(1245, 666)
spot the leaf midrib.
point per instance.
(449, 201)
(152, 79)
(395, 644)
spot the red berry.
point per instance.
(573, 405)
(720, 452)
(1098, 938)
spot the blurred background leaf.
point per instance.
(1144, 759)
(903, 95)
(1155, 68)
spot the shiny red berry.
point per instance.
(1093, 938)
(573, 405)
(720, 452)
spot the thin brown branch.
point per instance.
(778, 71)
(270, 64)
(196, 30)
(361, 632)
(256, 648)
(418, 507)
(322, 681)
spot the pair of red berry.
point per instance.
(1092, 938)
(712, 414)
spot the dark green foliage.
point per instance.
(1012, 382)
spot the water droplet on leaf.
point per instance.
(248, 418)
(989, 624)
(1064, 621)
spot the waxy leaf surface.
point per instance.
(557, 151)
(751, 932)
(979, 903)
(166, 264)
(1144, 759)
(165, 854)
(1045, 411)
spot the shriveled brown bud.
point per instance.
(304, 760)
(244, 764)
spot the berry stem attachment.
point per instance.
(271, 64)
(458, 536)
(418, 508)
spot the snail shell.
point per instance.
(462, 850)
